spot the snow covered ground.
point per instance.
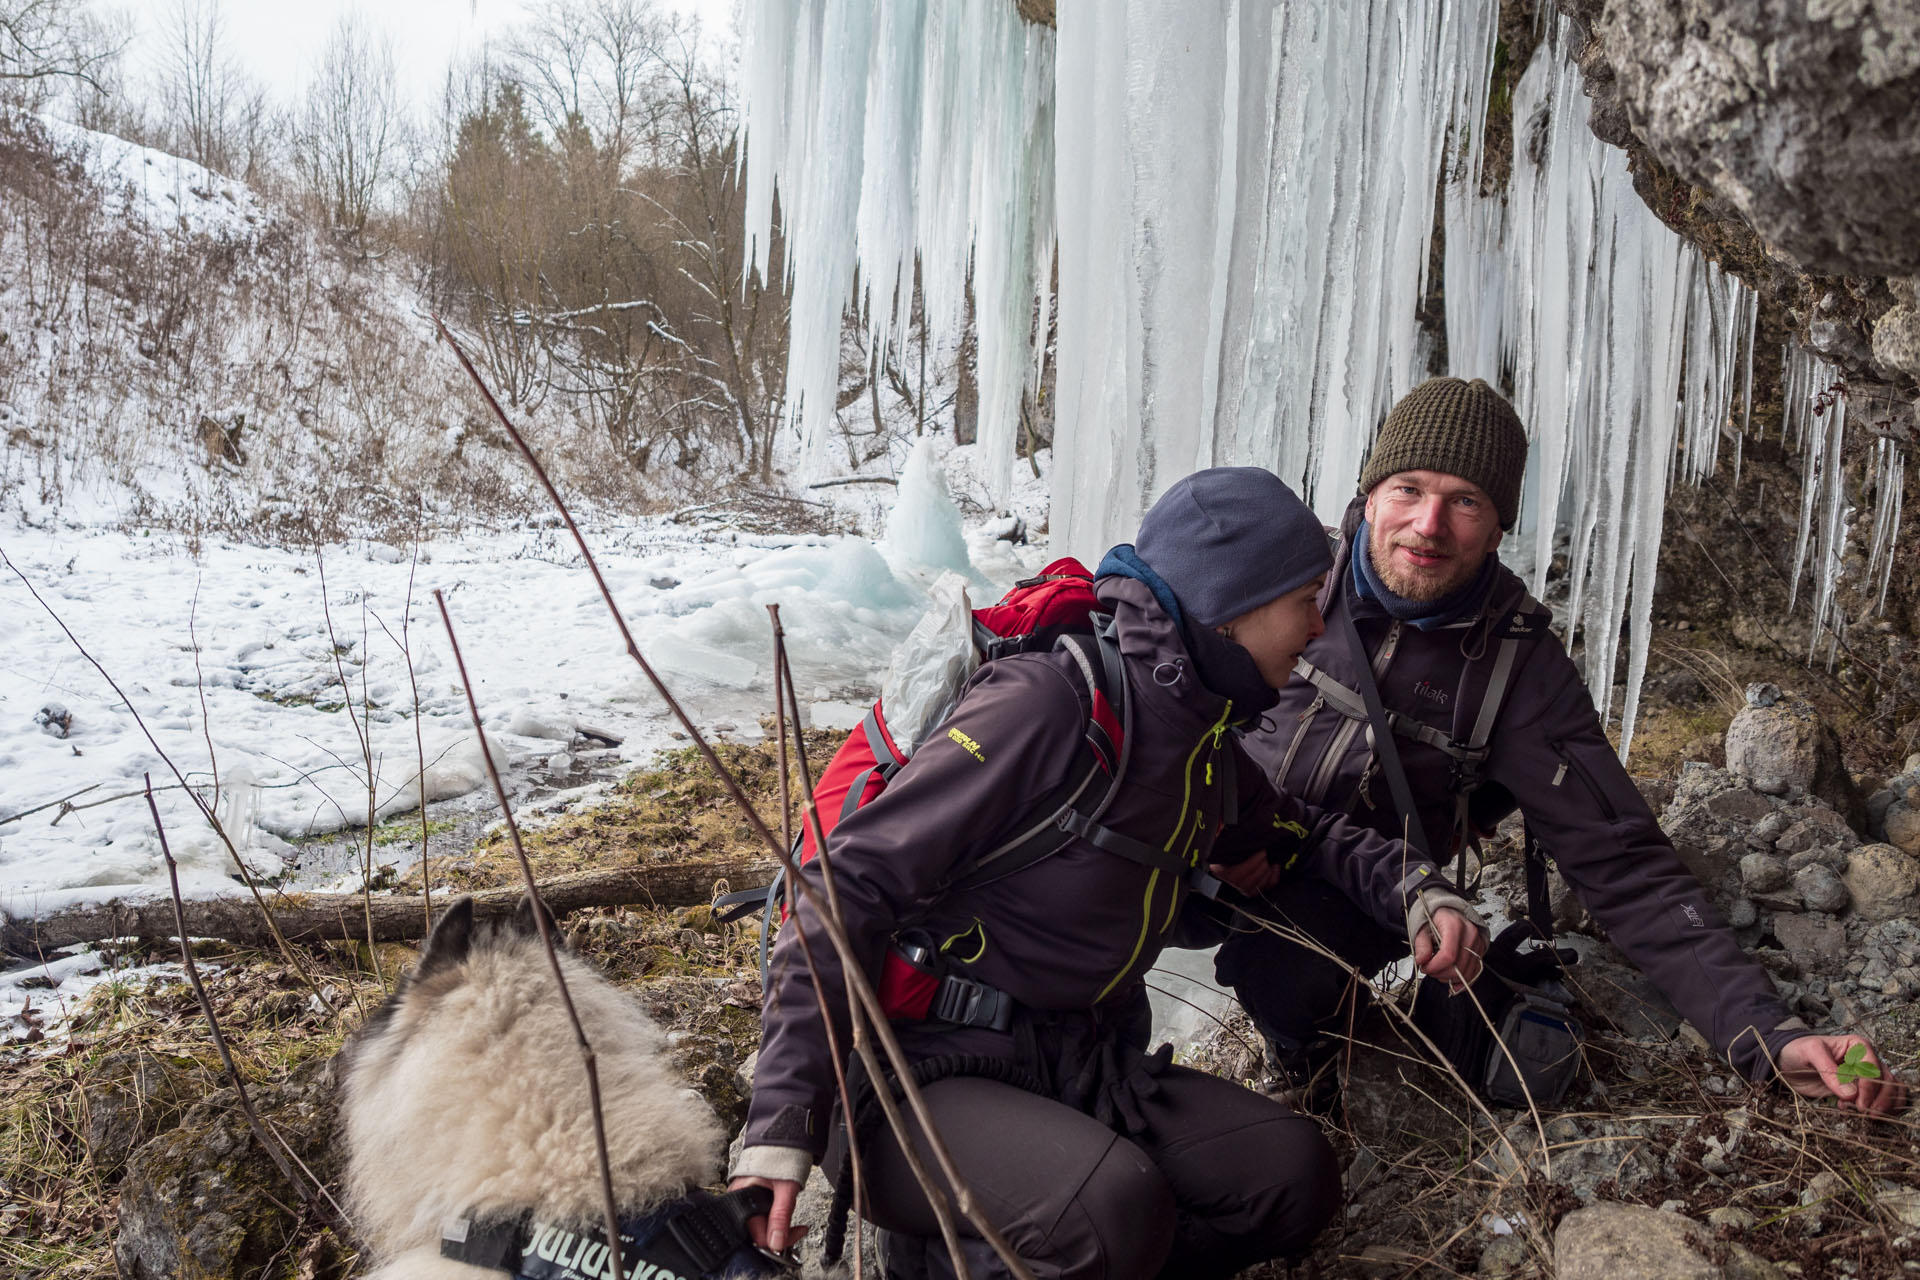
(162, 191)
(230, 660)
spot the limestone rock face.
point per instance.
(1786, 749)
(1884, 882)
(1798, 116)
(1896, 341)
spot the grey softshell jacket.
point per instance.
(1077, 929)
(1549, 753)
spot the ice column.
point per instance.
(898, 131)
(1816, 417)
(1276, 166)
(1890, 477)
(1624, 347)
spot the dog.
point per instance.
(464, 1097)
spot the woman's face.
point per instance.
(1280, 630)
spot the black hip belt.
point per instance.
(911, 991)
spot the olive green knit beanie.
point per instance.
(1465, 429)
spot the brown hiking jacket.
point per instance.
(1075, 931)
(1548, 754)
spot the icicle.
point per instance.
(1807, 378)
(1889, 472)
(896, 132)
(1624, 346)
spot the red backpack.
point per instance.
(1057, 609)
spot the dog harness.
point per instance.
(699, 1237)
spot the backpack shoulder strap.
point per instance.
(1073, 812)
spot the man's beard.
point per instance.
(1416, 585)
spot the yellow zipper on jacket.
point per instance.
(1180, 824)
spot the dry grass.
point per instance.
(1828, 1193)
(672, 811)
(58, 1193)
(58, 1189)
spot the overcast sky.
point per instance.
(278, 40)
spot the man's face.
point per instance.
(1430, 532)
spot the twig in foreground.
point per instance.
(271, 1144)
(545, 925)
(856, 977)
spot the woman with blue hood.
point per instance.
(1092, 1157)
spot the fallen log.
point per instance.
(318, 917)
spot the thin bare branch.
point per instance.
(545, 924)
(268, 1142)
(857, 979)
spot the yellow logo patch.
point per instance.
(1281, 824)
(972, 748)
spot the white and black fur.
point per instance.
(464, 1095)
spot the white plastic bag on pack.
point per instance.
(931, 665)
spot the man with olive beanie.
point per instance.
(1487, 713)
(1097, 1160)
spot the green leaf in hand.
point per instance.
(1855, 1067)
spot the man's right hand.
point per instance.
(1811, 1066)
(776, 1230)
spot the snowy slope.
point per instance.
(161, 191)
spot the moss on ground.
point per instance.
(672, 811)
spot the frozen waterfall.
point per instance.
(1243, 217)
(902, 131)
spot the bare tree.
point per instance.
(349, 139)
(204, 95)
(591, 62)
(44, 43)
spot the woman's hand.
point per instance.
(775, 1231)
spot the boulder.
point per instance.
(1818, 944)
(205, 1201)
(1740, 805)
(1877, 805)
(1763, 873)
(130, 1096)
(1786, 749)
(1902, 825)
(1821, 889)
(1610, 1241)
(1883, 880)
(1819, 827)
(1770, 828)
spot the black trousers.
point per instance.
(1291, 991)
(1218, 1178)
